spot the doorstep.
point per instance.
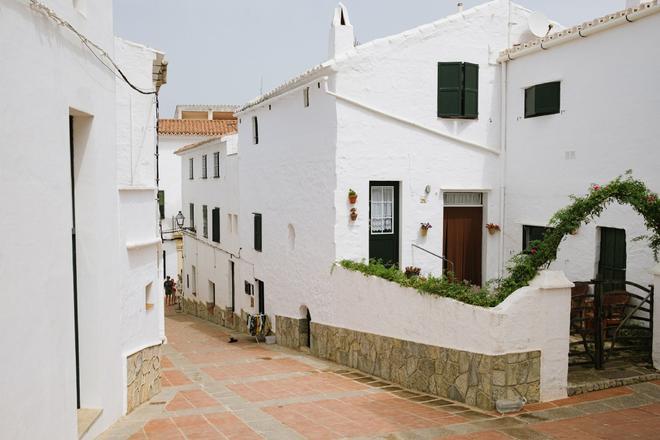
(86, 418)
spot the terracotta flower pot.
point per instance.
(492, 231)
(352, 199)
(354, 214)
(423, 232)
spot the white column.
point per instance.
(656, 318)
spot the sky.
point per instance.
(225, 51)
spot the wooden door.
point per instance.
(384, 222)
(612, 261)
(463, 228)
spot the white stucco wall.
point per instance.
(532, 318)
(211, 259)
(608, 122)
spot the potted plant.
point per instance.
(354, 214)
(352, 196)
(424, 228)
(492, 228)
(412, 271)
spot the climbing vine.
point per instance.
(624, 189)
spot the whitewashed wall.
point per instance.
(139, 244)
(532, 318)
(211, 259)
(608, 121)
(50, 76)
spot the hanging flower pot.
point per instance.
(354, 214)
(424, 229)
(493, 228)
(352, 196)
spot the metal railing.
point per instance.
(449, 262)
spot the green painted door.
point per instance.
(612, 261)
(384, 222)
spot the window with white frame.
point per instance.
(306, 96)
(204, 167)
(205, 221)
(463, 198)
(382, 210)
(216, 164)
(191, 168)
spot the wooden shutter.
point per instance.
(257, 232)
(450, 80)
(542, 99)
(215, 225)
(470, 90)
(161, 204)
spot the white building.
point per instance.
(80, 259)
(191, 124)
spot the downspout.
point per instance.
(503, 140)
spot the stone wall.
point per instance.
(142, 376)
(473, 378)
(291, 332)
(215, 314)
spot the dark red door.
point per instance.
(462, 242)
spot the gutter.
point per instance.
(582, 31)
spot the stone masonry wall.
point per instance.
(217, 315)
(473, 378)
(143, 376)
(289, 331)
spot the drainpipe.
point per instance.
(503, 139)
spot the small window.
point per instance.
(161, 204)
(230, 223)
(458, 90)
(463, 199)
(191, 169)
(532, 234)
(257, 232)
(382, 210)
(148, 297)
(216, 164)
(542, 99)
(306, 96)
(205, 221)
(204, 167)
(255, 130)
(191, 219)
(216, 225)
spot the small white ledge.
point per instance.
(551, 279)
(136, 188)
(131, 245)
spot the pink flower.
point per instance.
(596, 187)
(651, 198)
(534, 251)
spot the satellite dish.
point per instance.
(538, 24)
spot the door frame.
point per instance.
(396, 217)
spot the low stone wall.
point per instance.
(290, 331)
(216, 314)
(473, 378)
(142, 376)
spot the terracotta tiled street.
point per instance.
(213, 389)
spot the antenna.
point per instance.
(538, 24)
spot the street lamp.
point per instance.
(179, 220)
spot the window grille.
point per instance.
(204, 167)
(216, 164)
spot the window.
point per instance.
(542, 99)
(204, 167)
(533, 233)
(216, 224)
(230, 223)
(257, 232)
(463, 199)
(216, 164)
(255, 130)
(382, 210)
(191, 220)
(306, 96)
(148, 299)
(458, 90)
(161, 204)
(191, 174)
(205, 221)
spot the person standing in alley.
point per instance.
(168, 284)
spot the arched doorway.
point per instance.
(305, 327)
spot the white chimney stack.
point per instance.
(459, 6)
(342, 37)
(632, 3)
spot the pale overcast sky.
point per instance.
(220, 49)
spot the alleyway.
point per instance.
(216, 390)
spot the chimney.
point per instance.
(459, 6)
(342, 37)
(632, 3)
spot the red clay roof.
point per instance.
(197, 127)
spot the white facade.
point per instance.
(607, 125)
(49, 77)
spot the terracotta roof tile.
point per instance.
(197, 127)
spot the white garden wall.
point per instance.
(532, 318)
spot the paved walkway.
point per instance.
(216, 390)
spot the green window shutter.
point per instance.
(542, 99)
(215, 218)
(450, 80)
(257, 232)
(161, 204)
(471, 90)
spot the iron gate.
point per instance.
(610, 319)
